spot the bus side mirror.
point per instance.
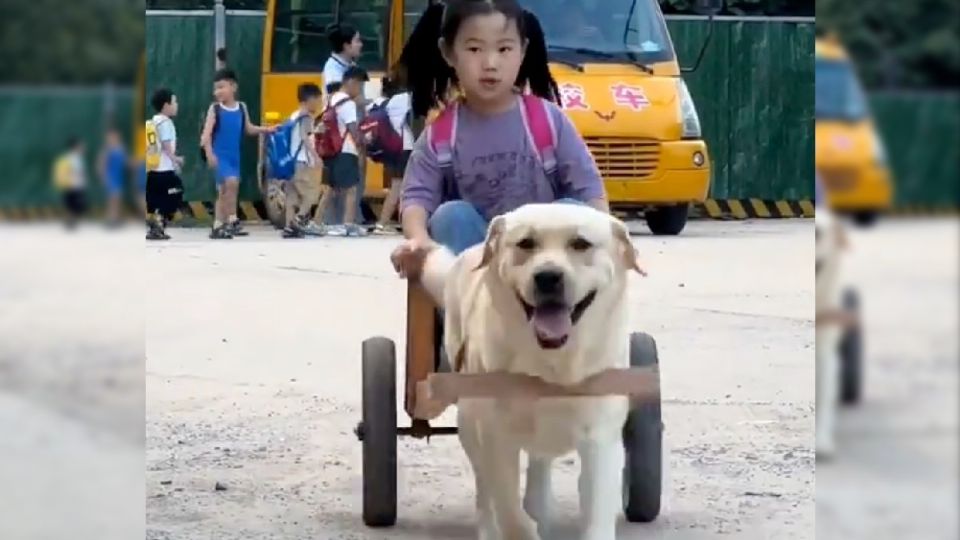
(707, 7)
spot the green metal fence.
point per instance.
(754, 93)
(35, 125)
(920, 132)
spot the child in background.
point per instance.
(164, 187)
(303, 191)
(341, 173)
(398, 109)
(70, 179)
(112, 166)
(227, 121)
(492, 49)
(346, 44)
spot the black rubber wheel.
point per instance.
(866, 218)
(667, 220)
(851, 354)
(643, 442)
(379, 431)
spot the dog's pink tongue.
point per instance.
(552, 322)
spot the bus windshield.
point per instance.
(838, 92)
(300, 32)
(603, 30)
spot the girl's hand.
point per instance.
(408, 257)
(212, 160)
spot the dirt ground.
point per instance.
(253, 381)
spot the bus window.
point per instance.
(300, 32)
(617, 28)
(838, 94)
(412, 10)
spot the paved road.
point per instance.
(253, 380)
(895, 477)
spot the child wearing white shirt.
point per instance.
(399, 110)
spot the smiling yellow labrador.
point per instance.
(545, 295)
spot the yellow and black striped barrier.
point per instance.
(726, 209)
(754, 209)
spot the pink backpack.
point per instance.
(540, 131)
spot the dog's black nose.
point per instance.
(548, 282)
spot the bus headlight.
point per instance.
(688, 113)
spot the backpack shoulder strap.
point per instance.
(441, 135)
(542, 133)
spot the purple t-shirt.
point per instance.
(497, 168)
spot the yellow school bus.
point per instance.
(850, 157)
(615, 63)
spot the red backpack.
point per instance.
(442, 134)
(386, 143)
(329, 140)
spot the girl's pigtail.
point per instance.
(535, 69)
(426, 72)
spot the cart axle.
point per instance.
(417, 431)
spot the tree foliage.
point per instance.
(898, 43)
(57, 42)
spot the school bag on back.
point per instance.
(329, 140)
(385, 143)
(153, 150)
(442, 135)
(281, 158)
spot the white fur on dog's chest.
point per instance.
(553, 427)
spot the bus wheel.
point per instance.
(667, 220)
(866, 218)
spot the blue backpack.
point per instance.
(281, 161)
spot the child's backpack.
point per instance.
(153, 149)
(216, 123)
(281, 158)
(329, 140)
(442, 134)
(385, 144)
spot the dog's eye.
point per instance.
(527, 244)
(580, 244)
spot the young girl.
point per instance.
(491, 50)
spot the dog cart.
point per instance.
(378, 430)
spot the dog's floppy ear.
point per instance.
(626, 248)
(492, 244)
